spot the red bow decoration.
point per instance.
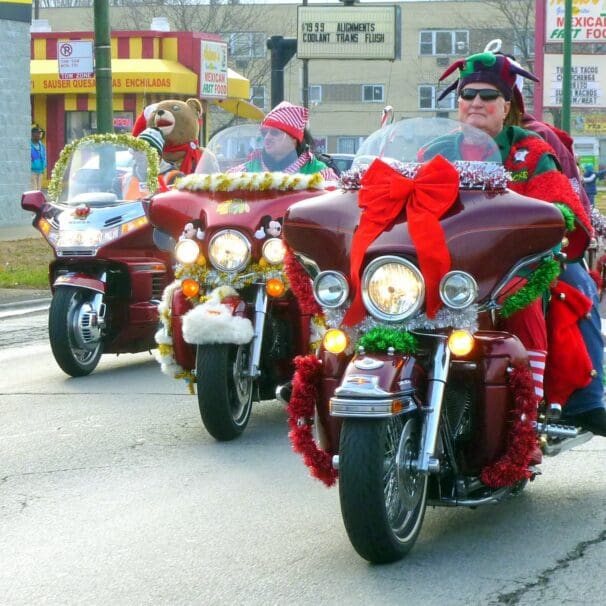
(383, 196)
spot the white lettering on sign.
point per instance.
(360, 32)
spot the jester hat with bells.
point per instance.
(487, 67)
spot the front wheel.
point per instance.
(224, 389)
(73, 330)
(382, 498)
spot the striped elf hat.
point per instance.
(289, 118)
(154, 137)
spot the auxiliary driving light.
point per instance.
(190, 287)
(460, 342)
(335, 341)
(274, 287)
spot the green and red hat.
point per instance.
(486, 67)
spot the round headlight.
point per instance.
(186, 251)
(458, 289)
(331, 288)
(274, 251)
(392, 288)
(229, 250)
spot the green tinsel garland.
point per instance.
(379, 339)
(55, 186)
(569, 218)
(537, 284)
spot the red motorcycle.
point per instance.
(107, 276)
(231, 325)
(416, 397)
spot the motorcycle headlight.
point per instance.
(229, 250)
(274, 251)
(87, 238)
(458, 289)
(331, 288)
(187, 251)
(392, 288)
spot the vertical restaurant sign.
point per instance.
(16, 10)
(213, 70)
(588, 21)
(588, 81)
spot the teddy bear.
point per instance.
(179, 122)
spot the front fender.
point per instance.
(378, 386)
(218, 322)
(81, 281)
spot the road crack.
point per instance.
(513, 597)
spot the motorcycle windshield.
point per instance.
(105, 173)
(230, 148)
(417, 140)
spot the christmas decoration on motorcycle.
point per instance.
(385, 194)
(55, 186)
(301, 411)
(513, 466)
(165, 354)
(81, 211)
(380, 339)
(568, 366)
(251, 182)
(269, 228)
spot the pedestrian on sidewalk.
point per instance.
(38, 156)
(590, 181)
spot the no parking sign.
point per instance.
(75, 59)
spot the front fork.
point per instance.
(259, 314)
(432, 410)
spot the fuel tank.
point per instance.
(486, 232)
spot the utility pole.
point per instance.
(567, 66)
(305, 82)
(103, 67)
(282, 49)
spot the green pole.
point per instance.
(103, 67)
(567, 66)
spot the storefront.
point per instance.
(147, 66)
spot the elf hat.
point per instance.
(486, 67)
(154, 137)
(289, 118)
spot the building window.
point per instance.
(428, 95)
(348, 145)
(443, 42)
(247, 45)
(257, 96)
(520, 52)
(372, 93)
(315, 94)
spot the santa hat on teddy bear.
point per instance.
(289, 118)
(141, 121)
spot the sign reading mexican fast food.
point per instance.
(588, 21)
(213, 70)
(348, 32)
(588, 81)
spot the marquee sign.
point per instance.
(348, 32)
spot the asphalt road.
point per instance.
(112, 493)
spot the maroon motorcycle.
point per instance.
(231, 325)
(416, 397)
(107, 276)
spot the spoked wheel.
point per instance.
(382, 498)
(74, 333)
(224, 389)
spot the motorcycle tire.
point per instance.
(72, 357)
(382, 499)
(224, 391)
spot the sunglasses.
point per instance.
(274, 132)
(486, 94)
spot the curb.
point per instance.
(18, 308)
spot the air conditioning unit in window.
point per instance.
(443, 61)
(242, 63)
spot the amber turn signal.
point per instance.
(335, 341)
(190, 288)
(460, 342)
(274, 287)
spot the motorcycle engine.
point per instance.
(457, 406)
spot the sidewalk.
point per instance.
(18, 232)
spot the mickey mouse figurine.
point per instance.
(192, 231)
(269, 228)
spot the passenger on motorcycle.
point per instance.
(485, 89)
(285, 145)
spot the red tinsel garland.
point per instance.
(301, 409)
(513, 466)
(300, 284)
